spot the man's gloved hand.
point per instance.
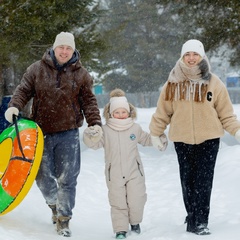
(237, 135)
(95, 133)
(160, 143)
(10, 112)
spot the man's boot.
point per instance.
(54, 213)
(63, 226)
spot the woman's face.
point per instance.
(191, 59)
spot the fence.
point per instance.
(149, 99)
(234, 94)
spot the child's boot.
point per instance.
(136, 228)
(121, 235)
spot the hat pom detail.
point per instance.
(118, 100)
(117, 93)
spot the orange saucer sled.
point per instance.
(20, 157)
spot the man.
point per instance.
(61, 89)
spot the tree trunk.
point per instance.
(1, 84)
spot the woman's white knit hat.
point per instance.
(193, 45)
(118, 102)
(64, 38)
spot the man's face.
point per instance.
(63, 53)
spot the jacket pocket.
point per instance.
(109, 172)
(139, 168)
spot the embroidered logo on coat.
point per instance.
(132, 137)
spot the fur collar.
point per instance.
(185, 83)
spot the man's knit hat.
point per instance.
(193, 45)
(64, 38)
(118, 100)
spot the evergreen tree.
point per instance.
(214, 22)
(28, 27)
(145, 37)
(142, 46)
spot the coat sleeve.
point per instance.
(88, 102)
(145, 138)
(225, 110)
(162, 116)
(25, 90)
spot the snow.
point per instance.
(164, 212)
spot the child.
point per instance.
(123, 167)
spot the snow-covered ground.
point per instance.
(164, 212)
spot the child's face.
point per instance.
(120, 113)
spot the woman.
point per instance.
(196, 104)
